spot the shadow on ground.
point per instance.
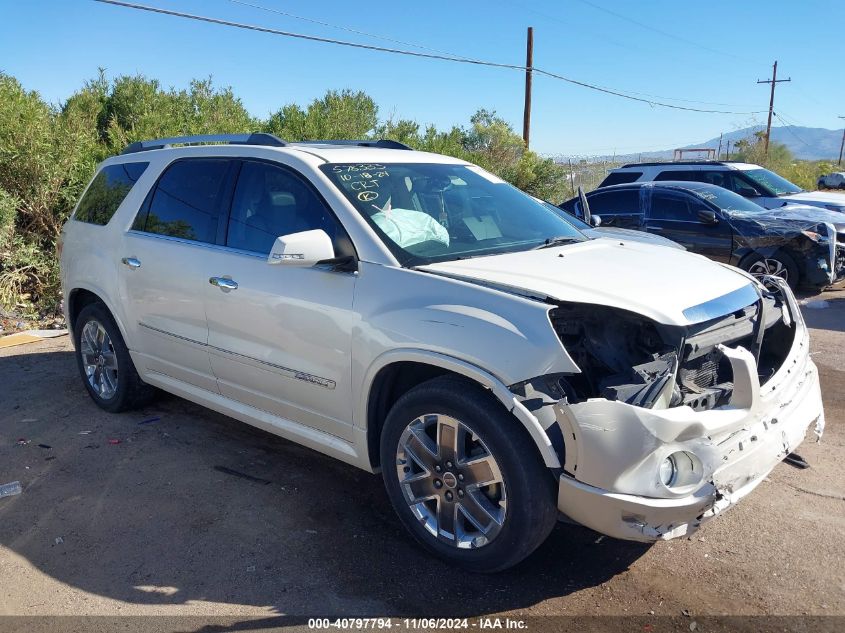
(137, 509)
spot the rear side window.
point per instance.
(670, 205)
(108, 189)
(680, 174)
(620, 178)
(187, 199)
(626, 202)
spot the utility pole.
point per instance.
(841, 147)
(529, 67)
(774, 81)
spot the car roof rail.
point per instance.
(679, 162)
(255, 138)
(383, 143)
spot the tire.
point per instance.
(780, 263)
(519, 510)
(105, 366)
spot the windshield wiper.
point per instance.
(556, 241)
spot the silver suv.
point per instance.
(412, 314)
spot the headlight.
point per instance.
(817, 237)
(680, 470)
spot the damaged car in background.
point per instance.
(413, 315)
(804, 246)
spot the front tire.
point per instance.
(104, 362)
(464, 476)
(778, 264)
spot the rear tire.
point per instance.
(778, 264)
(442, 441)
(107, 370)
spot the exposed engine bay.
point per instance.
(629, 358)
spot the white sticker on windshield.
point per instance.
(485, 174)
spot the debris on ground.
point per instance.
(11, 489)
(59, 540)
(84, 432)
(114, 441)
(599, 540)
(237, 473)
(29, 336)
(150, 420)
(45, 446)
(818, 304)
(794, 459)
(22, 441)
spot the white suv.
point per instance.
(412, 314)
(756, 183)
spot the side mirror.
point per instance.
(305, 248)
(595, 220)
(706, 216)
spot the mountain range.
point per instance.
(807, 143)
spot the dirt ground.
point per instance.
(140, 513)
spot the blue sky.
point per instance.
(692, 51)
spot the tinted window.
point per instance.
(615, 202)
(667, 205)
(187, 199)
(620, 178)
(690, 175)
(107, 191)
(271, 201)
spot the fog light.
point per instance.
(668, 471)
(681, 469)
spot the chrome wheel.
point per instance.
(99, 359)
(769, 267)
(451, 481)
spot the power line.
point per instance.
(396, 51)
(788, 127)
(339, 27)
(656, 30)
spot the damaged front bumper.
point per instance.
(613, 450)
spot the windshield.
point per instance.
(726, 200)
(771, 181)
(428, 213)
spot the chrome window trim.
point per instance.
(182, 240)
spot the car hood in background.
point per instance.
(665, 284)
(815, 198)
(793, 218)
(614, 232)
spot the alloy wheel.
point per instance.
(769, 267)
(99, 359)
(451, 481)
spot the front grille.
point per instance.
(698, 374)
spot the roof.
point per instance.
(690, 185)
(699, 163)
(331, 151)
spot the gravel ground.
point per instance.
(121, 517)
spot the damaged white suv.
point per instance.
(412, 314)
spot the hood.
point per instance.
(658, 282)
(815, 198)
(627, 234)
(799, 217)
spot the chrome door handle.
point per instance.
(131, 262)
(224, 283)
